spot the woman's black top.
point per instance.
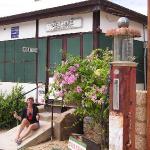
(31, 117)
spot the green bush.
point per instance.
(8, 105)
(84, 82)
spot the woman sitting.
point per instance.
(29, 118)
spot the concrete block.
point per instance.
(140, 128)
(140, 142)
(141, 97)
(66, 124)
(141, 113)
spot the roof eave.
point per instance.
(85, 6)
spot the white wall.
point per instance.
(109, 21)
(6, 88)
(26, 30)
(86, 27)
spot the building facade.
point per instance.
(74, 29)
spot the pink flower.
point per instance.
(103, 89)
(93, 98)
(68, 73)
(60, 93)
(78, 89)
(71, 79)
(72, 69)
(77, 65)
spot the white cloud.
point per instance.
(10, 7)
(136, 5)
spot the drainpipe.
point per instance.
(145, 58)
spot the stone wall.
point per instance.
(66, 124)
(140, 124)
(92, 131)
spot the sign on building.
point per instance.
(72, 23)
(74, 144)
(29, 50)
(15, 32)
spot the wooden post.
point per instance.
(96, 26)
(148, 80)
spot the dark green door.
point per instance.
(55, 53)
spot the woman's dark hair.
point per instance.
(31, 98)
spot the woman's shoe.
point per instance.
(18, 141)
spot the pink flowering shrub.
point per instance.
(84, 82)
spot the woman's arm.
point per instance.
(37, 117)
(16, 116)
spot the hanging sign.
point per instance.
(15, 32)
(29, 50)
(64, 24)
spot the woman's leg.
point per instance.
(24, 123)
(33, 126)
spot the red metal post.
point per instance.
(122, 106)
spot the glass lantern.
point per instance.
(123, 48)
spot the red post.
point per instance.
(122, 106)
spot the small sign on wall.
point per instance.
(29, 50)
(15, 32)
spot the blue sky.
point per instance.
(10, 7)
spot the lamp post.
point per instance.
(122, 88)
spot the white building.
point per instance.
(55, 29)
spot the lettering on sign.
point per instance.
(29, 50)
(116, 94)
(64, 24)
(74, 144)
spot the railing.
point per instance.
(51, 103)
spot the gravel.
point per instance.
(51, 145)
